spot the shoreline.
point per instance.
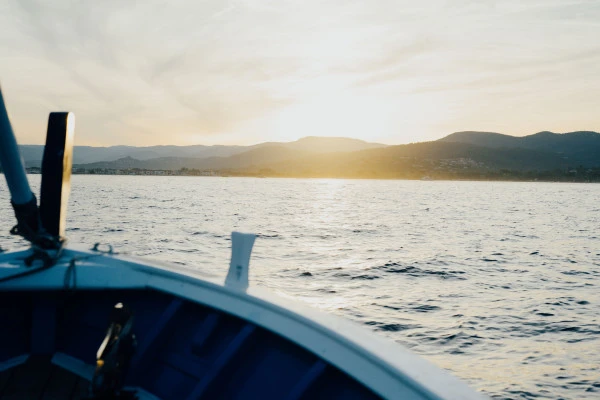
(216, 174)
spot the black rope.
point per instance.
(28, 219)
(24, 273)
(29, 225)
(70, 280)
(38, 254)
(97, 248)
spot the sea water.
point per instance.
(497, 282)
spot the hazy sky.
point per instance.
(247, 71)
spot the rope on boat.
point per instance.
(109, 251)
(70, 278)
(38, 254)
(29, 226)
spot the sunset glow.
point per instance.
(244, 72)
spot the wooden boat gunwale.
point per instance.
(388, 369)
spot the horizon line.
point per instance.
(317, 137)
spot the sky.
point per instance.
(247, 71)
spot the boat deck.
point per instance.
(195, 339)
(185, 350)
(38, 378)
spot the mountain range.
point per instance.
(582, 147)
(461, 154)
(32, 154)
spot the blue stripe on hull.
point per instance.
(186, 350)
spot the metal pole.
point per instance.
(11, 161)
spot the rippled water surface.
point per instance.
(496, 282)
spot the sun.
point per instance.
(347, 115)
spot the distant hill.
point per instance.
(32, 154)
(462, 155)
(485, 139)
(414, 161)
(316, 144)
(267, 154)
(581, 147)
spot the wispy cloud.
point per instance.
(248, 70)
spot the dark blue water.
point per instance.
(497, 282)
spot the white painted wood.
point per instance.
(13, 362)
(241, 249)
(141, 393)
(385, 367)
(12, 163)
(86, 371)
(74, 365)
